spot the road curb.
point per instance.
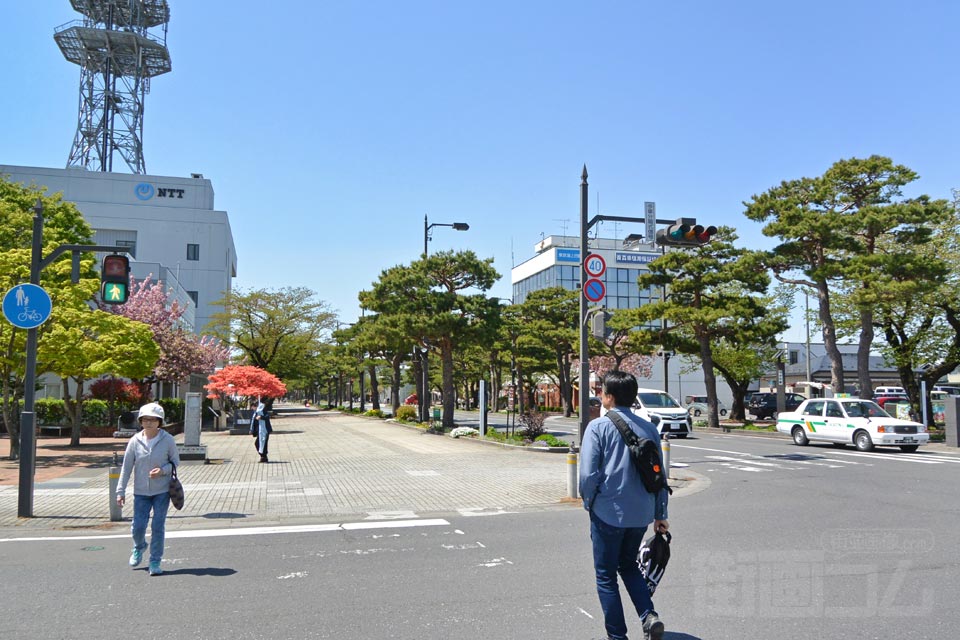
(493, 443)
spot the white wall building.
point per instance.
(169, 225)
(557, 264)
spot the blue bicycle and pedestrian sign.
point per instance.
(27, 306)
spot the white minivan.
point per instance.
(674, 419)
(888, 391)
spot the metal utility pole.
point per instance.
(584, 350)
(28, 439)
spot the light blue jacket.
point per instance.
(609, 484)
(139, 459)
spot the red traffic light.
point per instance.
(685, 232)
(116, 267)
(706, 234)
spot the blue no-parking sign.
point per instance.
(594, 290)
(27, 306)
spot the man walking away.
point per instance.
(620, 508)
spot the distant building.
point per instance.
(556, 263)
(169, 225)
(799, 359)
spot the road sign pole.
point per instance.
(28, 439)
(584, 351)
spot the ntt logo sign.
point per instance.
(144, 191)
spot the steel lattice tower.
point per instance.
(119, 45)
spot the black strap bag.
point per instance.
(645, 454)
(175, 490)
(653, 558)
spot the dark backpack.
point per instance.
(645, 454)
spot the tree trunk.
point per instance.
(374, 389)
(11, 413)
(710, 381)
(395, 390)
(418, 382)
(78, 415)
(830, 338)
(566, 387)
(449, 398)
(863, 354)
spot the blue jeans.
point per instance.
(615, 551)
(142, 505)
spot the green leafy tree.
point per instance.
(85, 344)
(550, 320)
(275, 330)
(916, 306)
(432, 301)
(828, 227)
(714, 293)
(63, 224)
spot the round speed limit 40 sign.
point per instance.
(595, 265)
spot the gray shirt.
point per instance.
(141, 456)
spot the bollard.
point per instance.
(116, 512)
(665, 454)
(573, 480)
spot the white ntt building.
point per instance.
(169, 225)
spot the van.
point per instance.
(654, 403)
(889, 391)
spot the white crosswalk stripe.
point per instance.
(836, 459)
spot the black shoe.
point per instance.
(652, 627)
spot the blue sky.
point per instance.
(330, 129)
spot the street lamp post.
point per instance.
(458, 226)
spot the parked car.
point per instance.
(850, 421)
(410, 399)
(885, 391)
(883, 399)
(697, 406)
(595, 406)
(764, 405)
(654, 405)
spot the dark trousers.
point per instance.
(615, 551)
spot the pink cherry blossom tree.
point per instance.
(181, 351)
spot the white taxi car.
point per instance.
(851, 421)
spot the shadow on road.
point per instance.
(199, 571)
(673, 635)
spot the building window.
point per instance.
(130, 246)
(794, 357)
(193, 252)
(195, 296)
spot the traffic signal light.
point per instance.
(114, 279)
(686, 232)
(598, 324)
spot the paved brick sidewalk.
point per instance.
(322, 467)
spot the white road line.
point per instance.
(253, 531)
(739, 468)
(890, 456)
(744, 461)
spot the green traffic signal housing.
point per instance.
(685, 232)
(115, 279)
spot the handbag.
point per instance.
(653, 557)
(175, 490)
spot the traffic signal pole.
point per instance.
(28, 429)
(683, 231)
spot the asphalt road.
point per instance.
(784, 542)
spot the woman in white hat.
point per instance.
(151, 456)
